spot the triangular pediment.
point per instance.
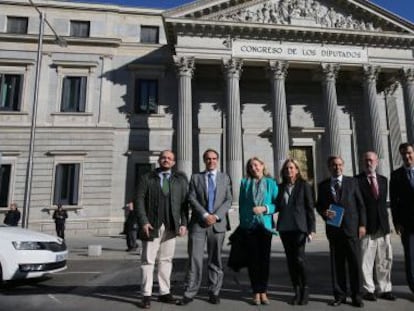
(353, 15)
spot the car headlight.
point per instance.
(27, 245)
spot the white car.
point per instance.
(29, 254)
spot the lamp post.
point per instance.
(29, 169)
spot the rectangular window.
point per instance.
(80, 29)
(149, 34)
(73, 94)
(66, 184)
(5, 171)
(17, 24)
(146, 99)
(10, 91)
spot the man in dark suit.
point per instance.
(376, 245)
(343, 240)
(210, 200)
(402, 207)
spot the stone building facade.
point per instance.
(269, 78)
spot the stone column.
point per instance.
(278, 70)
(407, 75)
(184, 156)
(232, 70)
(332, 139)
(370, 96)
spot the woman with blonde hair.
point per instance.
(296, 225)
(258, 192)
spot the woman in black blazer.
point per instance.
(296, 225)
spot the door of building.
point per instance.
(304, 155)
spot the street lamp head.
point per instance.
(61, 42)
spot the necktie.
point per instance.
(374, 188)
(165, 183)
(411, 178)
(337, 188)
(211, 193)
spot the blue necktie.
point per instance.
(211, 193)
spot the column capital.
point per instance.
(330, 71)
(407, 74)
(371, 72)
(233, 66)
(391, 88)
(184, 65)
(278, 69)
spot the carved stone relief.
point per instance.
(296, 12)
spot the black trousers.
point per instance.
(258, 245)
(345, 253)
(60, 230)
(294, 243)
(131, 239)
(407, 239)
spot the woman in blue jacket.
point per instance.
(258, 192)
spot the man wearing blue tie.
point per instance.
(210, 200)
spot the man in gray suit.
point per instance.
(210, 200)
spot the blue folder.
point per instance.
(339, 214)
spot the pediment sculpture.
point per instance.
(296, 12)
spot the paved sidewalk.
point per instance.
(236, 289)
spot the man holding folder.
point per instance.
(338, 194)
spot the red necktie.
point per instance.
(373, 186)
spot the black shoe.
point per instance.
(357, 302)
(167, 298)
(146, 302)
(296, 299)
(184, 301)
(304, 296)
(214, 299)
(369, 296)
(388, 296)
(337, 302)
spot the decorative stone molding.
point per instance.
(184, 65)
(330, 71)
(371, 73)
(295, 12)
(233, 66)
(407, 75)
(278, 69)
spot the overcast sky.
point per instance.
(404, 8)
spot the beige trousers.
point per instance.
(376, 254)
(164, 247)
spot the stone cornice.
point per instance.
(29, 38)
(206, 28)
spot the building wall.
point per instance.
(109, 139)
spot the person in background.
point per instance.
(376, 247)
(162, 210)
(402, 207)
(210, 200)
(344, 244)
(60, 215)
(296, 225)
(131, 228)
(258, 192)
(12, 216)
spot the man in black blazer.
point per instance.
(343, 240)
(402, 207)
(210, 200)
(376, 245)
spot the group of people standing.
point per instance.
(359, 241)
